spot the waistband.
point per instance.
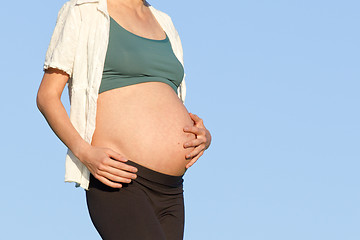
(155, 176)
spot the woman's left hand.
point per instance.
(202, 141)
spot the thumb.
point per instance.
(197, 120)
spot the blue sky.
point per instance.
(277, 84)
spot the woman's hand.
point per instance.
(108, 166)
(202, 141)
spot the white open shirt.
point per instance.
(78, 46)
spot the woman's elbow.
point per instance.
(51, 88)
(40, 101)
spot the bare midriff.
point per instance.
(144, 123)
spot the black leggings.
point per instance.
(150, 207)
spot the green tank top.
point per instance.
(132, 59)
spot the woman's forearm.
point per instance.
(55, 114)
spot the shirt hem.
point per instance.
(57, 66)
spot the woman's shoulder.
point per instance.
(78, 10)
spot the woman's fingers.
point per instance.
(106, 172)
(194, 143)
(202, 141)
(195, 151)
(115, 178)
(120, 165)
(109, 166)
(108, 182)
(199, 129)
(121, 169)
(115, 155)
(195, 130)
(196, 118)
(194, 160)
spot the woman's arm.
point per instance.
(104, 163)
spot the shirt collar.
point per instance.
(102, 4)
(85, 1)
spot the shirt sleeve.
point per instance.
(182, 89)
(62, 48)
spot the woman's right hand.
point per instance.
(108, 166)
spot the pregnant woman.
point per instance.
(130, 138)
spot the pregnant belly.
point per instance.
(144, 123)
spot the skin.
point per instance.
(202, 141)
(104, 163)
(203, 136)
